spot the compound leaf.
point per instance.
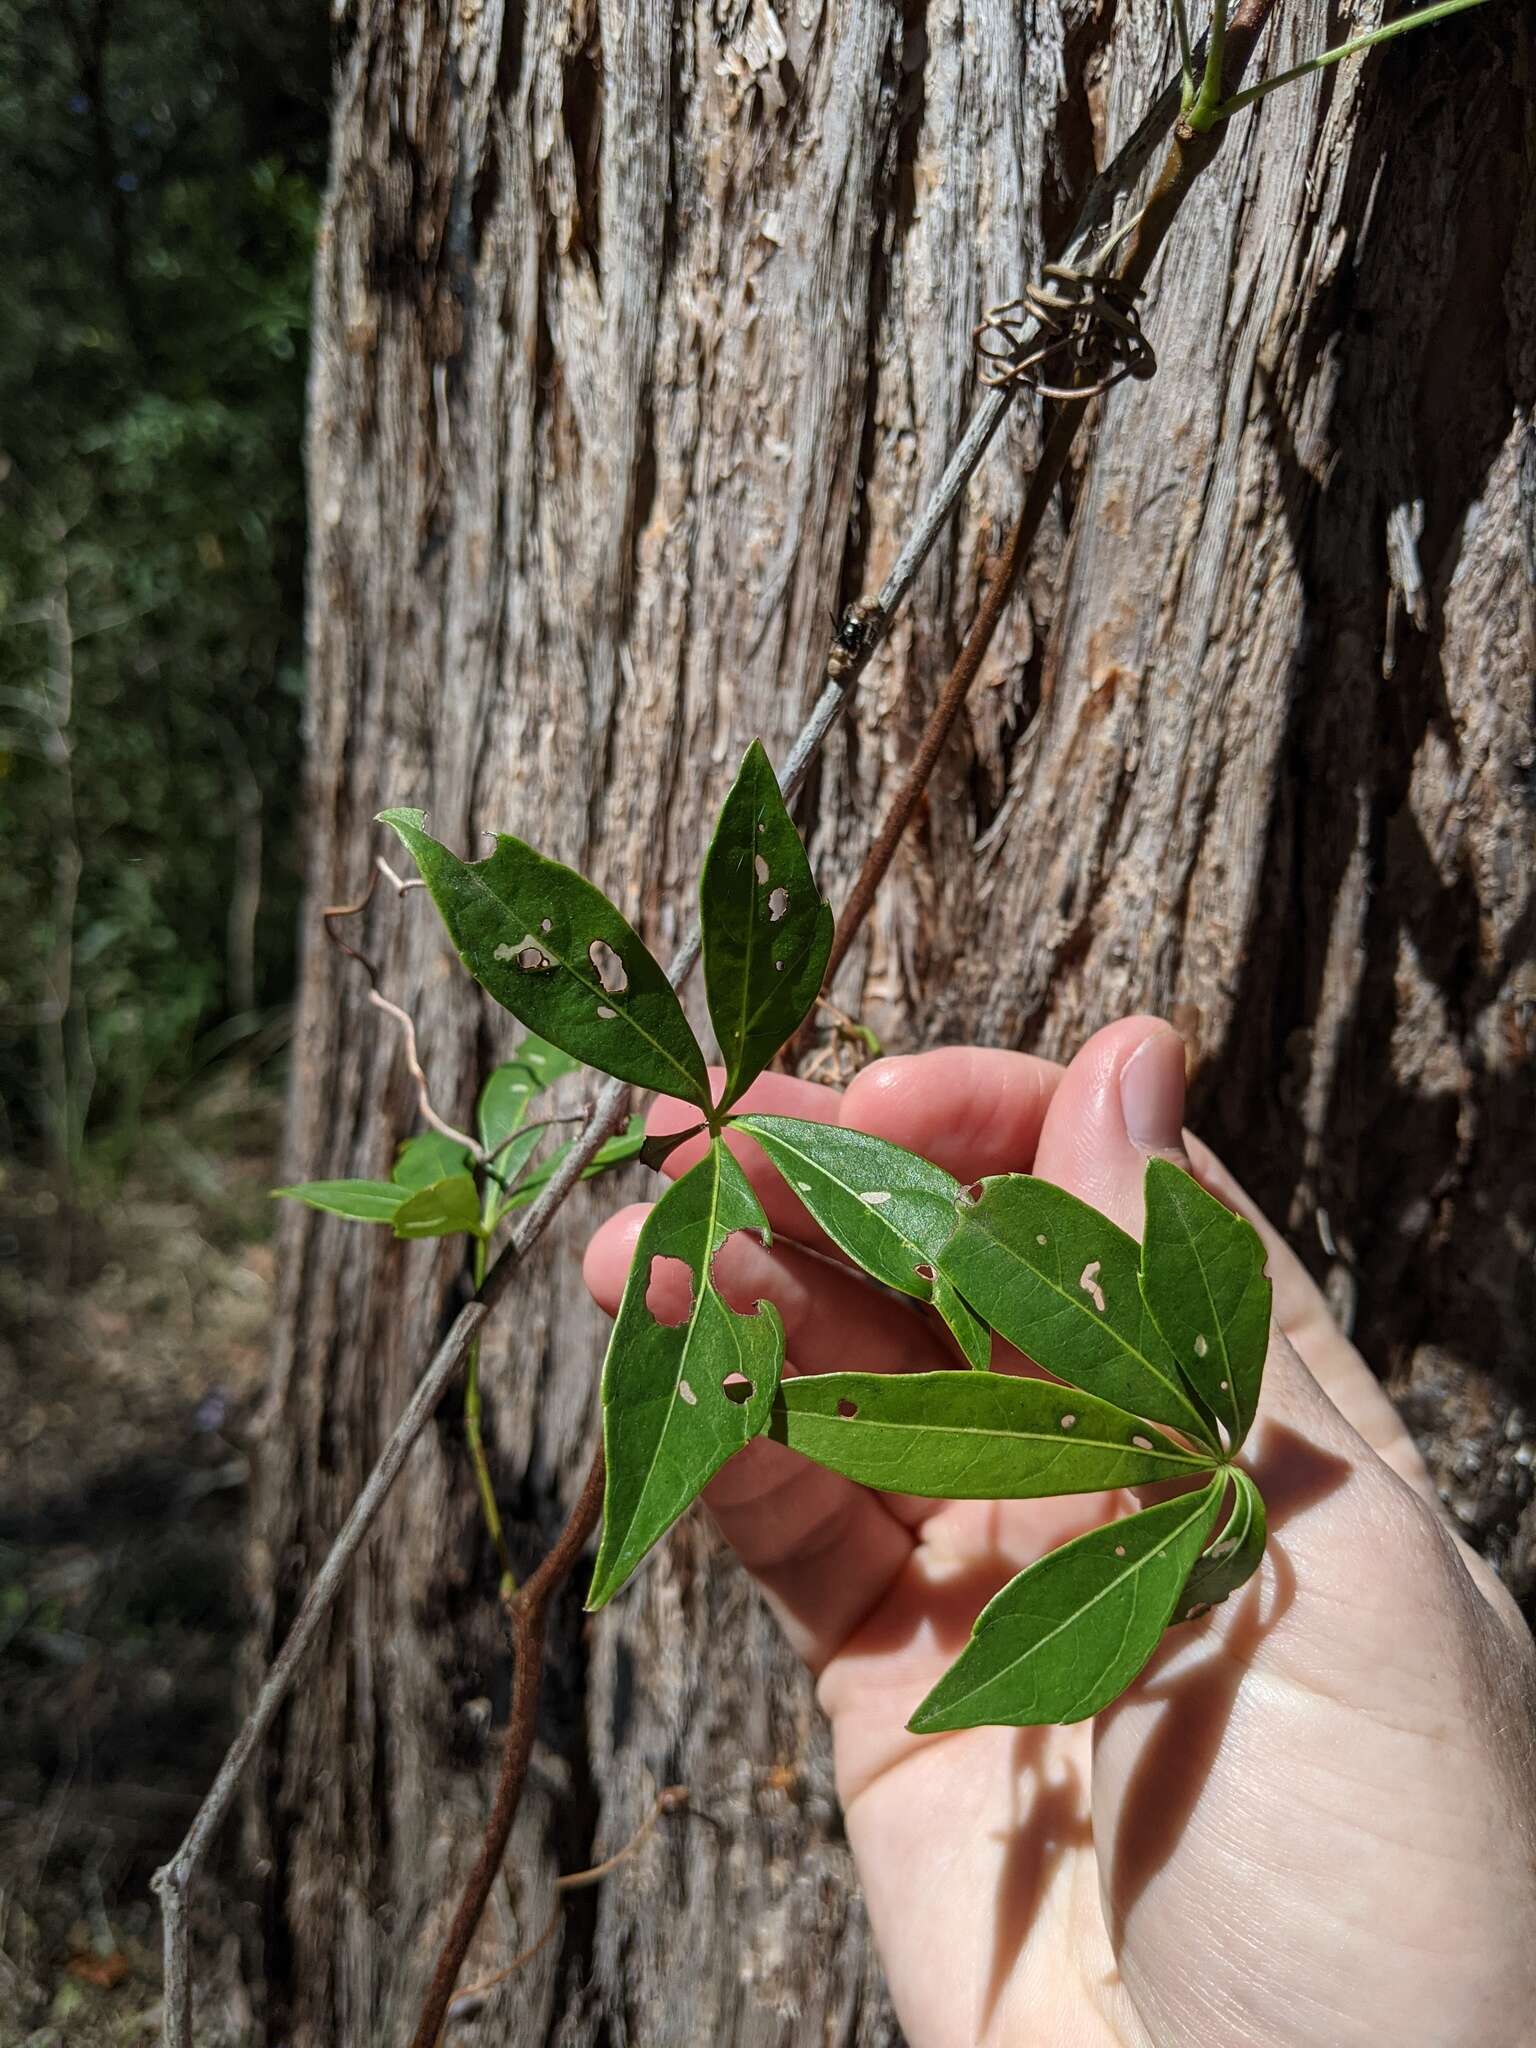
(364, 1201)
(1068, 1635)
(767, 931)
(889, 1210)
(442, 1209)
(679, 1399)
(1232, 1558)
(970, 1436)
(1203, 1281)
(426, 1158)
(1059, 1280)
(554, 951)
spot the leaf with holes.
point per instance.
(428, 1157)
(617, 1152)
(678, 1400)
(1232, 1558)
(889, 1210)
(553, 950)
(767, 931)
(363, 1201)
(970, 1435)
(1060, 1281)
(441, 1209)
(1068, 1635)
(1204, 1284)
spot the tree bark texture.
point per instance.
(641, 332)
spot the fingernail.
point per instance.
(1152, 1093)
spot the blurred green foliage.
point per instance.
(162, 167)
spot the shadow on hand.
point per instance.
(1050, 1817)
(1196, 1698)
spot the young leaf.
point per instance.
(767, 931)
(678, 1400)
(970, 1436)
(365, 1201)
(1203, 1281)
(1059, 1280)
(504, 1102)
(515, 1155)
(889, 1210)
(1068, 1635)
(1232, 1558)
(428, 1157)
(553, 950)
(617, 1150)
(548, 1062)
(442, 1209)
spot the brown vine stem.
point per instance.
(529, 1610)
(1188, 155)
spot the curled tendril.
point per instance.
(1089, 336)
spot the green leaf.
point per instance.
(440, 1210)
(970, 1436)
(889, 1210)
(669, 1419)
(1068, 1635)
(553, 950)
(1203, 1281)
(1059, 1280)
(426, 1158)
(614, 1153)
(365, 1201)
(504, 1102)
(767, 931)
(1232, 1558)
(547, 1061)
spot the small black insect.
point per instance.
(852, 636)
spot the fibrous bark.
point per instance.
(641, 331)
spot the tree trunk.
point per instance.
(641, 332)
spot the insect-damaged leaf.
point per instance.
(428, 1157)
(553, 950)
(1234, 1555)
(365, 1201)
(969, 1435)
(678, 1400)
(767, 931)
(889, 1210)
(442, 1209)
(1068, 1635)
(1059, 1280)
(1203, 1280)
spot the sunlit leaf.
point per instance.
(1203, 1280)
(1069, 1634)
(1060, 1281)
(970, 1436)
(364, 1201)
(678, 1400)
(553, 950)
(1232, 1557)
(889, 1210)
(767, 931)
(428, 1157)
(504, 1102)
(616, 1152)
(442, 1209)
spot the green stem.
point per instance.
(1422, 18)
(1186, 57)
(476, 1444)
(1206, 111)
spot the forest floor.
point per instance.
(132, 1360)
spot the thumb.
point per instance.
(1120, 1103)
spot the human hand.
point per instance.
(1312, 1820)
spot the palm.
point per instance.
(1298, 1796)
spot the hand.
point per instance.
(1310, 1821)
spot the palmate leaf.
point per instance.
(441, 1209)
(678, 1400)
(1203, 1281)
(363, 1201)
(767, 931)
(1060, 1281)
(1068, 1635)
(889, 1210)
(426, 1158)
(970, 1436)
(554, 951)
(1232, 1557)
